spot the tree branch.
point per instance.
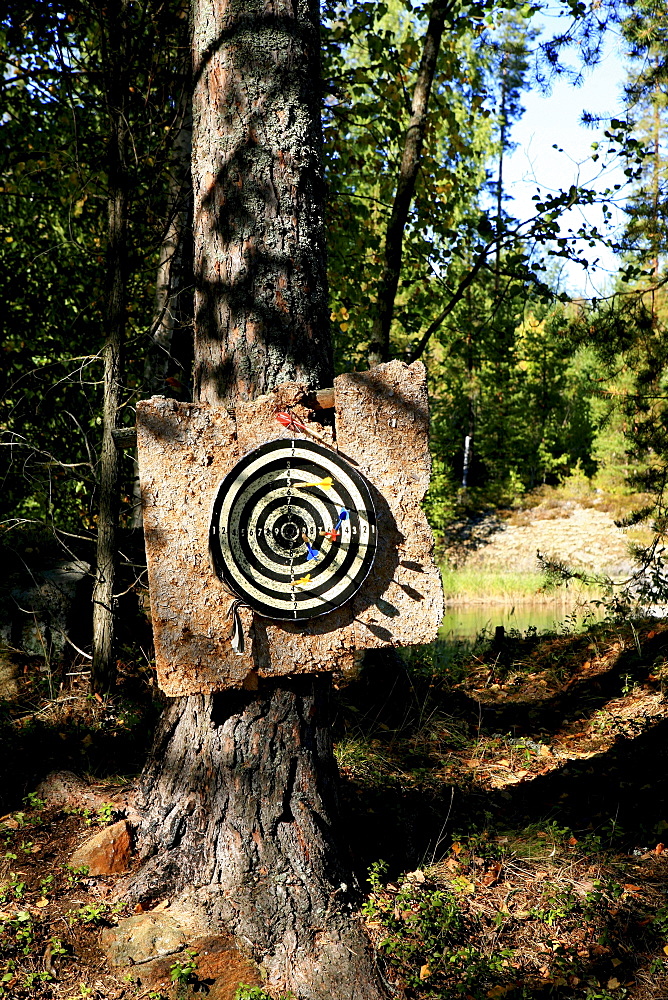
(379, 349)
(456, 298)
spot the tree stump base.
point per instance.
(237, 805)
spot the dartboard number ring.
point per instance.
(293, 530)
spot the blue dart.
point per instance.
(311, 553)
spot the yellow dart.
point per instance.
(303, 581)
(324, 484)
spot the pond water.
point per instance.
(465, 621)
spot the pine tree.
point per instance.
(238, 800)
(644, 31)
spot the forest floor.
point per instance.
(510, 799)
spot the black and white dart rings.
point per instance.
(293, 530)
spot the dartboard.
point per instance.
(293, 530)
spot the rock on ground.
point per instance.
(141, 938)
(64, 789)
(145, 948)
(40, 607)
(107, 852)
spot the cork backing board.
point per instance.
(185, 450)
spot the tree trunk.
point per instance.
(503, 132)
(261, 312)
(656, 202)
(173, 313)
(115, 77)
(379, 349)
(239, 798)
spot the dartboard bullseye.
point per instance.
(293, 530)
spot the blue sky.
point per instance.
(554, 118)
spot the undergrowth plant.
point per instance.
(75, 876)
(257, 993)
(97, 914)
(443, 660)
(421, 931)
(183, 970)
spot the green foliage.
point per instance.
(502, 369)
(46, 884)
(646, 237)
(423, 936)
(660, 922)
(53, 222)
(501, 363)
(75, 875)
(102, 816)
(184, 967)
(12, 888)
(58, 949)
(439, 503)
(626, 330)
(525, 400)
(97, 914)
(20, 931)
(257, 993)
(105, 813)
(371, 59)
(33, 801)
(444, 661)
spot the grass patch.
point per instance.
(478, 585)
(469, 585)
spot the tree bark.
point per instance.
(261, 313)
(499, 175)
(115, 77)
(379, 349)
(238, 801)
(656, 191)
